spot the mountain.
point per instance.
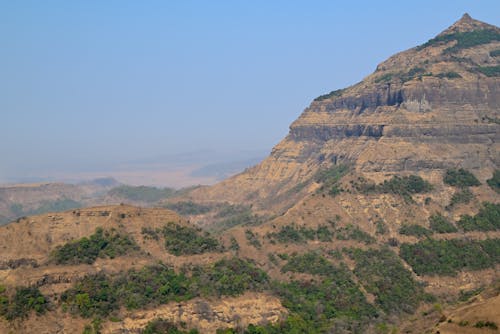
(433, 107)
(378, 213)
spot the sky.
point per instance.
(92, 85)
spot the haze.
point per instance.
(134, 89)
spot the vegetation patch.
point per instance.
(447, 257)
(229, 277)
(162, 326)
(463, 40)
(335, 93)
(460, 178)
(99, 295)
(449, 75)
(487, 219)
(440, 224)
(330, 178)
(486, 324)
(253, 239)
(494, 182)
(490, 71)
(235, 215)
(188, 208)
(495, 53)
(151, 233)
(463, 195)
(234, 246)
(24, 301)
(311, 263)
(404, 186)
(100, 244)
(351, 232)
(382, 273)
(300, 234)
(415, 72)
(319, 305)
(184, 240)
(142, 193)
(414, 230)
(381, 227)
(384, 78)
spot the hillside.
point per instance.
(19, 200)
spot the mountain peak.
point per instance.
(465, 24)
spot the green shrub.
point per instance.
(188, 208)
(235, 215)
(382, 273)
(490, 71)
(494, 182)
(351, 232)
(311, 263)
(253, 239)
(185, 240)
(466, 295)
(384, 78)
(330, 178)
(487, 219)
(335, 296)
(162, 326)
(439, 224)
(464, 40)
(463, 195)
(100, 244)
(404, 186)
(142, 193)
(295, 234)
(447, 257)
(415, 230)
(100, 295)
(229, 277)
(294, 324)
(25, 300)
(495, 53)
(449, 75)
(150, 233)
(94, 295)
(415, 72)
(381, 227)
(460, 178)
(335, 93)
(487, 324)
(234, 245)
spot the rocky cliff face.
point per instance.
(432, 107)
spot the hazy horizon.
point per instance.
(123, 88)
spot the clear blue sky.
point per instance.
(90, 82)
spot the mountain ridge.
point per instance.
(436, 108)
